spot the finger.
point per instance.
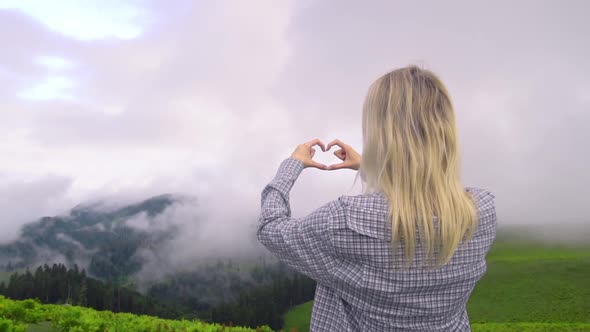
(338, 143)
(317, 165)
(337, 166)
(340, 154)
(317, 142)
(312, 152)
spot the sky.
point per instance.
(129, 99)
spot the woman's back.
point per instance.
(374, 292)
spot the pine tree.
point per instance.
(108, 297)
(83, 294)
(38, 283)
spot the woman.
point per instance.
(406, 254)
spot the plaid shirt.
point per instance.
(345, 246)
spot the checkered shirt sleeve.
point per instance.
(302, 243)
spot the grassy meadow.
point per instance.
(529, 286)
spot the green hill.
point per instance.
(529, 286)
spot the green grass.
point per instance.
(32, 316)
(298, 317)
(529, 286)
(530, 327)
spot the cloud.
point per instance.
(84, 20)
(23, 201)
(209, 97)
(515, 72)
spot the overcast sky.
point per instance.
(136, 98)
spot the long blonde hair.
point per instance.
(410, 154)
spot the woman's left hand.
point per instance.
(305, 152)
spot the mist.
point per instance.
(206, 99)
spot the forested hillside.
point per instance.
(96, 237)
(44, 263)
(252, 304)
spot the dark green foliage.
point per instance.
(236, 292)
(266, 304)
(211, 284)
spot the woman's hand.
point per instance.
(350, 158)
(305, 152)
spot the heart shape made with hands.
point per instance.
(349, 157)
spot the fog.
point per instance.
(123, 100)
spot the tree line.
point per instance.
(267, 304)
(58, 284)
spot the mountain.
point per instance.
(94, 236)
(129, 246)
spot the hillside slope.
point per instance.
(97, 238)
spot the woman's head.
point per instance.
(410, 154)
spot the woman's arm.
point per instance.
(304, 243)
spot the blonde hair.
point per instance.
(410, 154)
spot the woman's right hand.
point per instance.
(350, 158)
